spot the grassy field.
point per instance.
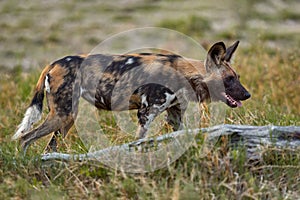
(36, 33)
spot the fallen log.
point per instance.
(253, 138)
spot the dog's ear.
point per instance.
(215, 55)
(230, 51)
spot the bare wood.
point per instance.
(252, 137)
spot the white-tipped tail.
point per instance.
(32, 115)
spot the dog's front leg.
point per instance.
(174, 117)
(146, 115)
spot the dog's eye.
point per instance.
(230, 78)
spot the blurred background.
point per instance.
(34, 33)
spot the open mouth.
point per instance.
(231, 101)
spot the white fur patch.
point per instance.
(82, 90)
(32, 115)
(144, 100)
(169, 98)
(167, 104)
(68, 59)
(129, 61)
(102, 100)
(86, 95)
(47, 84)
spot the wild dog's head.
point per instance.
(221, 81)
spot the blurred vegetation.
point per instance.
(35, 33)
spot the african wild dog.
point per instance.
(96, 77)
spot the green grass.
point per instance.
(267, 60)
(194, 26)
(218, 170)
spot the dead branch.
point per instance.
(252, 137)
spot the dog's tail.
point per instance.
(34, 111)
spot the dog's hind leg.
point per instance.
(63, 106)
(52, 123)
(52, 145)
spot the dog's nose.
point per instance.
(247, 95)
